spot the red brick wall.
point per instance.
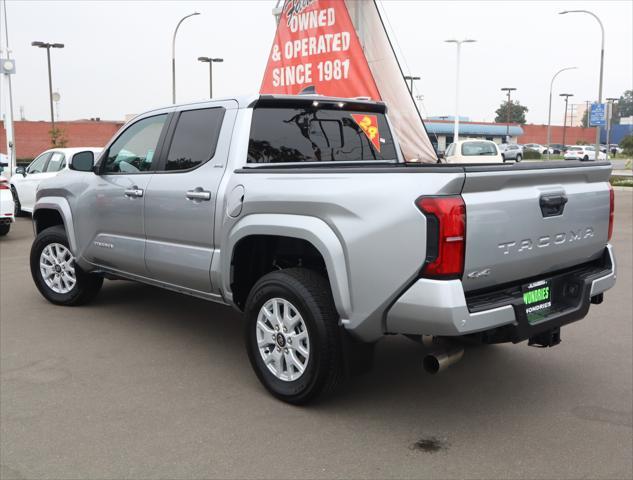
(538, 134)
(32, 138)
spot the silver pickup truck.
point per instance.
(301, 213)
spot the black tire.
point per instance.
(503, 157)
(519, 158)
(4, 229)
(585, 158)
(87, 285)
(311, 296)
(17, 206)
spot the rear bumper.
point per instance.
(6, 220)
(440, 307)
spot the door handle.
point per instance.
(198, 195)
(134, 192)
(552, 205)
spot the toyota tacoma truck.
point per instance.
(300, 212)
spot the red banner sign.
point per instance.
(316, 46)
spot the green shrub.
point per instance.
(531, 155)
(627, 145)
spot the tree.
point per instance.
(58, 138)
(513, 112)
(584, 118)
(625, 104)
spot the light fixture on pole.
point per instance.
(549, 111)
(509, 90)
(173, 56)
(210, 61)
(566, 95)
(458, 43)
(411, 79)
(48, 47)
(601, 66)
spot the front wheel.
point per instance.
(293, 339)
(4, 229)
(55, 273)
(519, 158)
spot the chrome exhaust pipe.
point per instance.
(441, 359)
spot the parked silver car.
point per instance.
(511, 151)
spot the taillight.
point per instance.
(611, 210)
(446, 236)
(4, 186)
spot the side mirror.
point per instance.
(20, 171)
(83, 161)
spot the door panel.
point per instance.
(27, 186)
(181, 197)
(117, 201)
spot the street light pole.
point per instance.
(601, 66)
(458, 43)
(173, 56)
(549, 113)
(509, 106)
(210, 61)
(411, 79)
(566, 95)
(48, 47)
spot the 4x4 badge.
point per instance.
(479, 273)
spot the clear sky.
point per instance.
(117, 58)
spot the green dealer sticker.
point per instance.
(537, 297)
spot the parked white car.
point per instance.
(536, 147)
(473, 151)
(47, 165)
(583, 152)
(6, 207)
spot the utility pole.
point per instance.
(508, 108)
(566, 95)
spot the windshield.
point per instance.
(470, 149)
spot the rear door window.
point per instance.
(302, 134)
(195, 138)
(56, 163)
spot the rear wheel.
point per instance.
(293, 339)
(519, 158)
(4, 229)
(55, 273)
(17, 206)
(585, 158)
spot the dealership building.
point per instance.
(441, 131)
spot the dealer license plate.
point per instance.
(537, 297)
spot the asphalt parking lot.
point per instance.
(145, 383)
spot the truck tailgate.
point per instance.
(525, 222)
